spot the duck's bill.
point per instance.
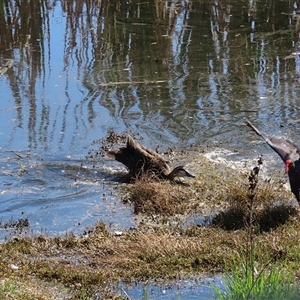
(188, 174)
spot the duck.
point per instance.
(141, 160)
(289, 153)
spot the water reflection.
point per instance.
(194, 288)
(176, 72)
(199, 52)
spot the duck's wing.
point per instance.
(142, 150)
(138, 158)
(151, 159)
(124, 154)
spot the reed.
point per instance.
(244, 281)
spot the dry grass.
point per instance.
(89, 265)
(163, 198)
(226, 197)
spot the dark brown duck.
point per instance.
(140, 160)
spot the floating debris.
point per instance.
(18, 224)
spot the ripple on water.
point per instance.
(60, 196)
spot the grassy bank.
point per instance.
(162, 246)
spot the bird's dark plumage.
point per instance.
(140, 159)
(289, 153)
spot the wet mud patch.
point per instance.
(113, 140)
(19, 224)
(106, 143)
(15, 228)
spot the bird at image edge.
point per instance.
(289, 153)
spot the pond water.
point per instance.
(194, 288)
(176, 73)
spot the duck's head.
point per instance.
(179, 171)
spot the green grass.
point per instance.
(272, 283)
(11, 290)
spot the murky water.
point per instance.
(175, 72)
